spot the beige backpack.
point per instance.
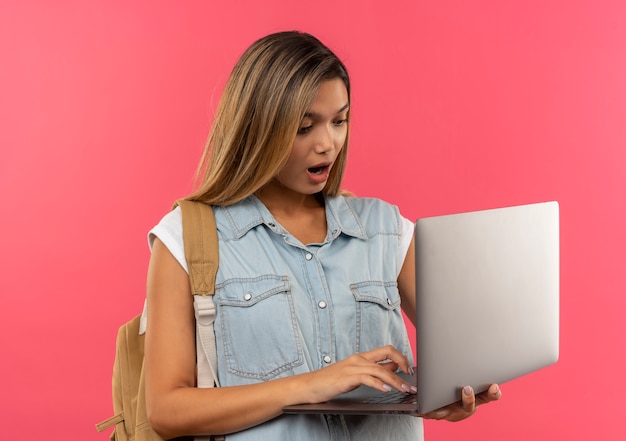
(129, 404)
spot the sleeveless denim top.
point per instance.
(285, 308)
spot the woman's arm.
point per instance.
(406, 284)
(176, 407)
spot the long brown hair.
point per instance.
(267, 94)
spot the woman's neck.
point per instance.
(304, 216)
(279, 199)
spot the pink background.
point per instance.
(458, 105)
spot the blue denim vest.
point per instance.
(285, 308)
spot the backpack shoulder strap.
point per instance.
(202, 255)
(201, 249)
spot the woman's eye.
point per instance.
(303, 130)
(341, 122)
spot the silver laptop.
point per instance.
(487, 307)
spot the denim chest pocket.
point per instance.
(378, 316)
(258, 327)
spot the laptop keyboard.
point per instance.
(392, 398)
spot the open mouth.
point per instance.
(317, 170)
(319, 174)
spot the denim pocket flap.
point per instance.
(249, 292)
(384, 294)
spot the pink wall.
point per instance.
(458, 105)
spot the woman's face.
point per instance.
(321, 136)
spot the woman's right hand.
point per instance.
(373, 368)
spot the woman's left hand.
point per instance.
(467, 406)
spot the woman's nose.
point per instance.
(324, 141)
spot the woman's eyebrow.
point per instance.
(315, 115)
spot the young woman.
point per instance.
(310, 281)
